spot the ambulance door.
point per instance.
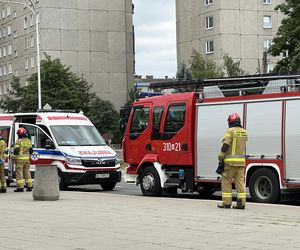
(38, 138)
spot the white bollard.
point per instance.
(46, 186)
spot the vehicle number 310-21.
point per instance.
(167, 146)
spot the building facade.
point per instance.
(243, 29)
(94, 37)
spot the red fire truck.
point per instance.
(172, 141)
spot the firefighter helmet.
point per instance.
(21, 132)
(234, 119)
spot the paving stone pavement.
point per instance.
(104, 220)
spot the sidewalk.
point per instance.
(104, 220)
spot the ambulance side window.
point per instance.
(175, 118)
(37, 136)
(4, 132)
(140, 120)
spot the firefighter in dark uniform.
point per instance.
(22, 152)
(3, 156)
(232, 154)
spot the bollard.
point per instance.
(46, 187)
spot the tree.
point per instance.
(232, 68)
(183, 73)
(204, 68)
(103, 115)
(287, 38)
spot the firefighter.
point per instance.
(22, 151)
(232, 154)
(2, 160)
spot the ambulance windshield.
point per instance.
(77, 135)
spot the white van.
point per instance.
(65, 139)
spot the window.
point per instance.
(32, 62)
(25, 23)
(267, 44)
(209, 22)
(15, 33)
(209, 47)
(4, 51)
(37, 136)
(9, 30)
(140, 120)
(157, 114)
(0, 70)
(26, 42)
(3, 13)
(0, 52)
(9, 49)
(10, 70)
(26, 63)
(31, 20)
(267, 23)
(14, 14)
(31, 41)
(16, 73)
(208, 2)
(175, 118)
(8, 10)
(15, 53)
(4, 90)
(267, 1)
(4, 32)
(0, 33)
(270, 67)
(4, 73)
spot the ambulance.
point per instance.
(67, 140)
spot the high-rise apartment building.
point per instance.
(94, 37)
(242, 28)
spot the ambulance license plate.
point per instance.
(102, 176)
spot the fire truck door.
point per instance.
(171, 144)
(138, 140)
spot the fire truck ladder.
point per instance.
(234, 86)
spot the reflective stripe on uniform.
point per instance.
(233, 146)
(242, 160)
(241, 195)
(22, 157)
(227, 195)
(21, 182)
(28, 181)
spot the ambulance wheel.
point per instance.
(107, 186)
(61, 181)
(264, 186)
(150, 182)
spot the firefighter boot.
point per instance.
(19, 190)
(222, 205)
(239, 204)
(29, 189)
(3, 190)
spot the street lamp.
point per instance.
(33, 10)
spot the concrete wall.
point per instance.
(237, 30)
(94, 37)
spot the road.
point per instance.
(123, 188)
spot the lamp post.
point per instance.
(33, 10)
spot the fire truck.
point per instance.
(172, 141)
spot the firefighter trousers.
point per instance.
(2, 177)
(23, 172)
(236, 174)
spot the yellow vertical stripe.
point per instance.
(233, 146)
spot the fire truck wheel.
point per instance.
(150, 182)
(264, 186)
(61, 181)
(107, 186)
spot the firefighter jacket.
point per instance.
(22, 149)
(235, 138)
(3, 148)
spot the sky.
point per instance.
(155, 37)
